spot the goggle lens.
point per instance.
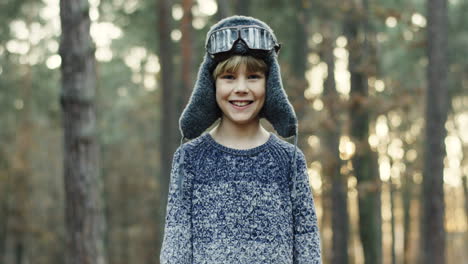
(255, 37)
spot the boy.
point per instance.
(239, 194)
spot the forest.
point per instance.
(91, 93)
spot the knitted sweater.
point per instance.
(236, 206)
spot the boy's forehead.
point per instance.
(244, 67)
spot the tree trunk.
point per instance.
(169, 119)
(224, 9)
(83, 206)
(332, 161)
(21, 187)
(407, 197)
(4, 208)
(392, 220)
(326, 220)
(407, 193)
(19, 203)
(437, 105)
(465, 192)
(243, 7)
(364, 160)
(187, 48)
(299, 59)
(124, 223)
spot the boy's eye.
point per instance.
(255, 76)
(228, 76)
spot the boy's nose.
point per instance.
(241, 86)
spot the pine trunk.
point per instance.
(18, 228)
(407, 193)
(299, 60)
(364, 160)
(224, 9)
(332, 162)
(243, 7)
(437, 105)
(407, 197)
(392, 220)
(4, 210)
(187, 48)
(169, 119)
(465, 192)
(83, 206)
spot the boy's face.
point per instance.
(241, 95)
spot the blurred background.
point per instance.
(355, 71)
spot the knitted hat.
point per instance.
(202, 109)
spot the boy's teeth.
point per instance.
(241, 103)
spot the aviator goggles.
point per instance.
(255, 37)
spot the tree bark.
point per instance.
(364, 160)
(243, 7)
(465, 193)
(407, 197)
(4, 211)
(169, 119)
(332, 162)
(224, 9)
(437, 105)
(124, 223)
(5, 194)
(83, 206)
(187, 48)
(299, 58)
(407, 193)
(18, 227)
(392, 220)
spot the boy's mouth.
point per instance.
(241, 103)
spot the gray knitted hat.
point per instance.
(202, 110)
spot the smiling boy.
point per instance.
(238, 193)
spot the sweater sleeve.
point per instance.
(307, 247)
(177, 242)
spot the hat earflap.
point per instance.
(277, 109)
(202, 110)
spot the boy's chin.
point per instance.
(243, 121)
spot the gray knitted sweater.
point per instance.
(236, 206)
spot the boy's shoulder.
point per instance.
(284, 143)
(292, 151)
(193, 144)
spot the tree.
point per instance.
(21, 177)
(437, 105)
(332, 162)
(187, 46)
(243, 7)
(224, 9)
(83, 207)
(168, 124)
(364, 160)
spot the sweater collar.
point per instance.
(208, 138)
